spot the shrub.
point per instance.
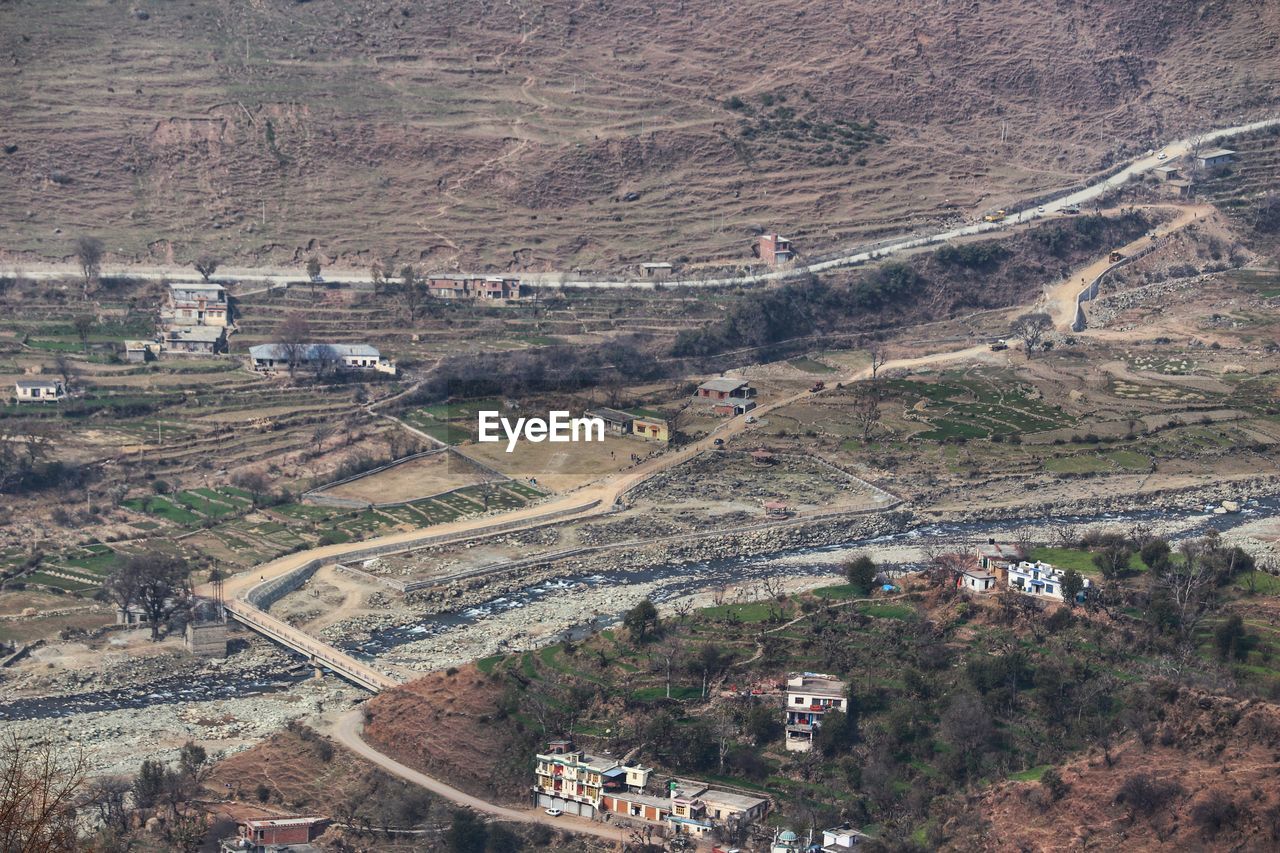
(1215, 812)
(1144, 795)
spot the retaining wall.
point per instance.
(1091, 290)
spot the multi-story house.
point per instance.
(575, 782)
(810, 695)
(196, 304)
(774, 249)
(1038, 579)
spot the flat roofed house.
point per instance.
(998, 555)
(1038, 579)
(978, 580)
(841, 838)
(658, 270)
(496, 287)
(448, 288)
(774, 249)
(810, 695)
(651, 429)
(195, 340)
(39, 390)
(576, 782)
(196, 304)
(278, 833)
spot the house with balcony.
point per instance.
(1038, 578)
(809, 696)
(576, 783)
(195, 304)
(697, 808)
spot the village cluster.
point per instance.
(570, 781)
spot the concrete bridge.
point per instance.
(318, 654)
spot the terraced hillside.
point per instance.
(523, 135)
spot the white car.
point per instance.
(555, 812)
(1161, 156)
(751, 419)
(1039, 210)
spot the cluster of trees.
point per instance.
(48, 803)
(155, 582)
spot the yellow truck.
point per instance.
(995, 217)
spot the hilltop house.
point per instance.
(198, 304)
(841, 838)
(773, 249)
(270, 358)
(1038, 579)
(809, 696)
(39, 390)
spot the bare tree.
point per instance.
(158, 583)
(89, 251)
(39, 787)
(294, 334)
(411, 292)
(1031, 328)
(206, 265)
(1190, 586)
(878, 358)
(668, 653)
(83, 324)
(66, 370)
(322, 433)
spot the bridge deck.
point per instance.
(318, 652)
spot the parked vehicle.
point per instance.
(997, 346)
(818, 386)
(555, 812)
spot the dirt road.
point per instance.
(347, 733)
(851, 257)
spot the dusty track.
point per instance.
(848, 258)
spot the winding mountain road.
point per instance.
(853, 257)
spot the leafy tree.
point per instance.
(1052, 782)
(1072, 583)
(1155, 554)
(206, 265)
(153, 580)
(861, 572)
(148, 785)
(313, 267)
(467, 833)
(1113, 559)
(411, 292)
(642, 621)
(1231, 639)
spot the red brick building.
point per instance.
(774, 249)
(267, 833)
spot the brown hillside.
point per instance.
(567, 134)
(1206, 747)
(447, 726)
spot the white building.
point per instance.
(1038, 579)
(39, 390)
(841, 838)
(977, 580)
(810, 695)
(269, 358)
(195, 304)
(1215, 157)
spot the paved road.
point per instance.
(854, 257)
(347, 733)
